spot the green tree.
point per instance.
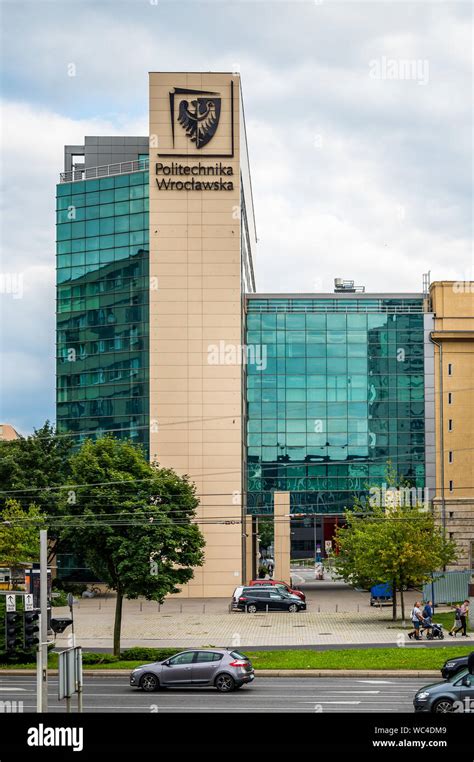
(399, 544)
(32, 469)
(265, 531)
(19, 533)
(132, 522)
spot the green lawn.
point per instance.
(364, 659)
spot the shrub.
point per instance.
(148, 654)
(76, 588)
(89, 657)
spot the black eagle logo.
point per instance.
(200, 119)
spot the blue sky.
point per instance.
(359, 170)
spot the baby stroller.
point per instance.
(435, 631)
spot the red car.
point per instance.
(277, 583)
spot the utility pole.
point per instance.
(43, 644)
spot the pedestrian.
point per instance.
(464, 612)
(416, 619)
(427, 614)
(270, 567)
(457, 621)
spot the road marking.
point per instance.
(323, 701)
(377, 682)
(3, 690)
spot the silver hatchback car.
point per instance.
(223, 669)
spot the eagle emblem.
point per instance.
(200, 119)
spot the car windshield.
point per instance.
(459, 675)
(238, 655)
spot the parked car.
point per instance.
(444, 696)
(264, 599)
(223, 669)
(279, 585)
(452, 666)
(247, 588)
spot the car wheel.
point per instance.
(149, 683)
(443, 706)
(293, 608)
(251, 609)
(225, 683)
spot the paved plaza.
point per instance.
(336, 614)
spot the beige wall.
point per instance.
(195, 301)
(281, 544)
(453, 306)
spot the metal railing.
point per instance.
(106, 170)
(295, 306)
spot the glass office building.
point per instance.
(339, 393)
(102, 304)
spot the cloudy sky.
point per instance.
(359, 125)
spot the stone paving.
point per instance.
(204, 623)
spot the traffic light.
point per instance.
(12, 635)
(30, 629)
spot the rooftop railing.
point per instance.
(106, 170)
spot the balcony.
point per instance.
(106, 170)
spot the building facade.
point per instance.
(293, 403)
(452, 304)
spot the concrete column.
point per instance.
(281, 503)
(249, 548)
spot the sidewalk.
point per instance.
(143, 624)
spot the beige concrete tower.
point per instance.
(452, 303)
(201, 228)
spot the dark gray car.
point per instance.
(223, 669)
(454, 695)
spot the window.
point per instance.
(450, 424)
(184, 658)
(451, 488)
(450, 369)
(450, 398)
(206, 656)
(450, 456)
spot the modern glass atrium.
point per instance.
(341, 393)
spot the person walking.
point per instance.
(457, 621)
(416, 619)
(464, 613)
(427, 614)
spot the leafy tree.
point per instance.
(132, 522)
(31, 470)
(19, 533)
(398, 544)
(265, 531)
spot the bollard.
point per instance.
(319, 609)
(141, 605)
(357, 608)
(181, 608)
(336, 607)
(266, 608)
(203, 608)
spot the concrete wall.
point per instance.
(195, 302)
(453, 307)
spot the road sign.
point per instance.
(328, 546)
(28, 603)
(11, 602)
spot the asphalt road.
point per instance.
(305, 694)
